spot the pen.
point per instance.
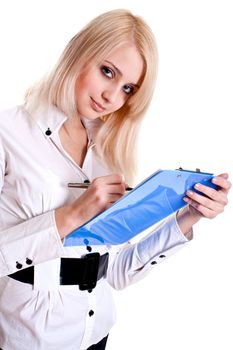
(86, 185)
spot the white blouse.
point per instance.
(34, 173)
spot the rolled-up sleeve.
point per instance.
(134, 262)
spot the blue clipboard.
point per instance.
(152, 200)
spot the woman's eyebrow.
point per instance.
(119, 72)
(117, 69)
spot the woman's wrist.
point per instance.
(67, 219)
(186, 220)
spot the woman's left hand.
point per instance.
(213, 203)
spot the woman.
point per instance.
(80, 124)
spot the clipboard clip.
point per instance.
(192, 171)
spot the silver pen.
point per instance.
(85, 185)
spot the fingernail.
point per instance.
(190, 193)
(197, 186)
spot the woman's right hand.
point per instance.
(102, 192)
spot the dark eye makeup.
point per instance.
(109, 73)
(128, 89)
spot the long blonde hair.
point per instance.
(116, 139)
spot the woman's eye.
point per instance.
(107, 72)
(128, 89)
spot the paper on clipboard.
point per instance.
(152, 200)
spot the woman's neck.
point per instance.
(74, 139)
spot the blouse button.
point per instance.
(48, 132)
(153, 262)
(91, 313)
(28, 261)
(18, 265)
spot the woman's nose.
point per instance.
(111, 95)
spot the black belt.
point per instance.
(85, 271)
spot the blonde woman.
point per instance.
(79, 124)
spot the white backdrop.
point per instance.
(186, 302)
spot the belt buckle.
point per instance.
(90, 271)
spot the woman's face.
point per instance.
(104, 88)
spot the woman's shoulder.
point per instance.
(10, 114)
(11, 118)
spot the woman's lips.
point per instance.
(96, 106)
